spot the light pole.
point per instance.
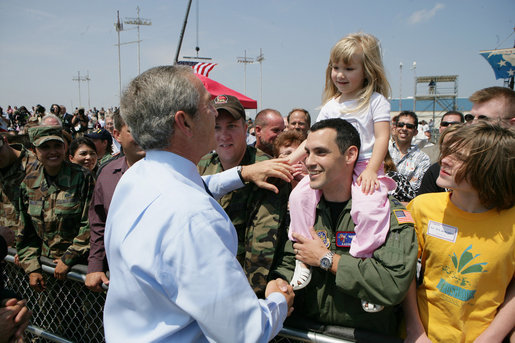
(119, 27)
(245, 60)
(79, 79)
(414, 68)
(260, 59)
(88, 79)
(138, 22)
(400, 87)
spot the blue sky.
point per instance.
(44, 44)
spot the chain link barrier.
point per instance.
(66, 311)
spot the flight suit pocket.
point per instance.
(35, 211)
(68, 213)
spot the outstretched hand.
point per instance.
(281, 286)
(260, 172)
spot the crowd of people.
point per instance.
(217, 227)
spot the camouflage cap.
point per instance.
(41, 134)
(231, 104)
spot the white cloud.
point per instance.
(425, 15)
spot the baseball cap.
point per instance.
(102, 134)
(231, 104)
(41, 134)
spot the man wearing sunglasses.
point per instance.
(448, 119)
(409, 160)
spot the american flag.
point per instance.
(203, 68)
(200, 67)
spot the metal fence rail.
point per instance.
(69, 312)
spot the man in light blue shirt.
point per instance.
(170, 246)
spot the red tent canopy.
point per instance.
(216, 88)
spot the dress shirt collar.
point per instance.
(176, 162)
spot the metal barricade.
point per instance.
(67, 311)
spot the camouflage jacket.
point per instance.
(54, 216)
(10, 180)
(258, 216)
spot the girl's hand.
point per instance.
(368, 181)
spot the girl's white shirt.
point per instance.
(363, 121)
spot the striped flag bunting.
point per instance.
(199, 67)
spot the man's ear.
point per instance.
(257, 130)
(184, 123)
(351, 155)
(116, 135)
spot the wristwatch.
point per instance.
(327, 261)
(238, 170)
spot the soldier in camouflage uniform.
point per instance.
(257, 214)
(53, 205)
(15, 162)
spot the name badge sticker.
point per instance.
(344, 238)
(442, 231)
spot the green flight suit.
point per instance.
(54, 216)
(382, 279)
(258, 216)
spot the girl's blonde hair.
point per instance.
(367, 47)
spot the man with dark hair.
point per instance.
(299, 119)
(340, 280)
(257, 214)
(185, 283)
(269, 124)
(409, 160)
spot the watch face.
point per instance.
(325, 263)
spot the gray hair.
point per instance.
(49, 117)
(150, 101)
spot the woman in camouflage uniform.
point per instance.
(53, 206)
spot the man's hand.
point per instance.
(94, 281)
(14, 319)
(260, 172)
(61, 269)
(37, 281)
(281, 286)
(309, 250)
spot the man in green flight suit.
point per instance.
(257, 214)
(339, 281)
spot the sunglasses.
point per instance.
(447, 123)
(470, 117)
(400, 125)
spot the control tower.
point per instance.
(440, 93)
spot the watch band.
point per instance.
(238, 169)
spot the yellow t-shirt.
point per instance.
(468, 260)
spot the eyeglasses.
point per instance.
(400, 125)
(471, 117)
(447, 123)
